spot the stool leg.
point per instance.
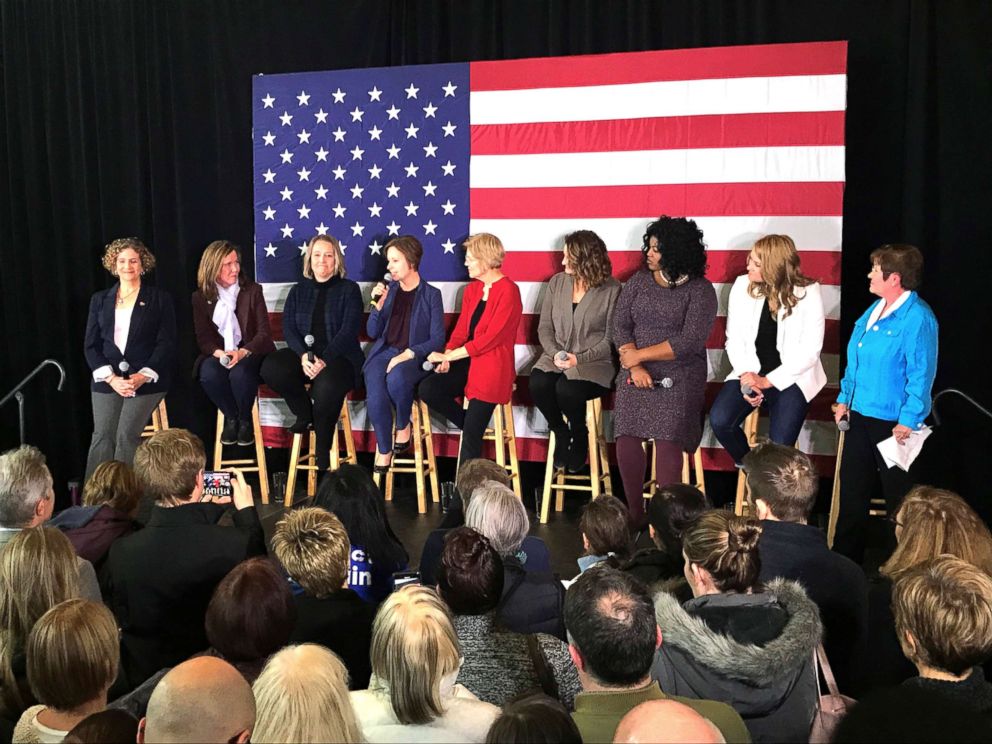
(741, 492)
(511, 445)
(559, 492)
(604, 452)
(499, 431)
(312, 465)
(418, 462)
(593, 448)
(425, 424)
(218, 447)
(835, 495)
(335, 460)
(263, 470)
(548, 473)
(349, 434)
(685, 469)
(163, 415)
(700, 478)
(294, 463)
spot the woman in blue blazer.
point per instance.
(130, 347)
(407, 324)
(320, 322)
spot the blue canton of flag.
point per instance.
(363, 155)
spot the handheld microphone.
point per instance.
(125, 370)
(562, 356)
(664, 382)
(225, 360)
(308, 340)
(374, 299)
(429, 366)
(844, 424)
(747, 390)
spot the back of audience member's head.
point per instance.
(931, 522)
(312, 545)
(252, 613)
(204, 699)
(470, 574)
(783, 479)
(496, 512)
(945, 606)
(664, 722)
(414, 647)
(72, 654)
(605, 527)
(534, 718)
(38, 570)
(473, 473)
(725, 546)
(670, 511)
(26, 495)
(168, 465)
(113, 484)
(111, 726)
(302, 696)
(611, 624)
(350, 493)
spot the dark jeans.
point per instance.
(232, 391)
(556, 396)
(283, 372)
(441, 392)
(786, 408)
(861, 467)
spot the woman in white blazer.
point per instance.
(774, 339)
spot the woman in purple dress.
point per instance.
(660, 326)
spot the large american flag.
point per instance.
(745, 140)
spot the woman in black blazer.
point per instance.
(130, 346)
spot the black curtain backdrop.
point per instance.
(134, 118)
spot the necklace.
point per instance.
(121, 298)
(673, 282)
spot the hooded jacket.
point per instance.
(751, 651)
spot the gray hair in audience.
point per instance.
(24, 481)
(497, 513)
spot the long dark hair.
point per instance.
(350, 494)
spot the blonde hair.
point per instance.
(302, 696)
(113, 484)
(727, 547)
(313, 546)
(780, 273)
(487, 249)
(210, 264)
(496, 513)
(414, 646)
(72, 653)
(934, 522)
(114, 248)
(946, 604)
(339, 269)
(38, 569)
(24, 481)
(167, 464)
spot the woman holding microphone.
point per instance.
(885, 391)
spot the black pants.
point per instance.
(441, 392)
(861, 468)
(556, 397)
(283, 372)
(233, 391)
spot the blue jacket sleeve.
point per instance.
(379, 319)
(350, 323)
(921, 369)
(436, 340)
(290, 332)
(851, 370)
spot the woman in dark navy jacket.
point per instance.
(325, 309)
(130, 346)
(407, 323)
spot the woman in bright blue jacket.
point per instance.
(407, 324)
(885, 392)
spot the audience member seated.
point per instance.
(313, 548)
(203, 700)
(670, 511)
(783, 483)
(302, 696)
(605, 533)
(534, 719)
(664, 721)
(72, 658)
(532, 597)
(38, 570)
(106, 727)
(376, 553)
(930, 522)
(250, 616)
(472, 474)
(943, 612)
(733, 642)
(161, 578)
(413, 695)
(27, 500)
(110, 501)
(498, 665)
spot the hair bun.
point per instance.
(743, 535)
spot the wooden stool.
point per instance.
(503, 434)
(421, 462)
(308, 462)
(247, 465)
(741, 502)
(691, 466)
(596, 482)
(160, 420)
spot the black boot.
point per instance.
(246, 434)
(562, 438)
(229, 434)
(578, 451)
(300, 426)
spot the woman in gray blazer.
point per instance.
(577, 362)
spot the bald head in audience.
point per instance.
(664, 721)
(201, 700)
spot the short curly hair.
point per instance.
(114, 248)
(589, 258)
(680, 242)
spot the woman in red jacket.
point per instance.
(478, 361)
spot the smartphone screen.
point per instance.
(403, 578)
(217, 483)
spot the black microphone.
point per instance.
(562, 356)
(374, 299)
(664, 382)
(125, 370)
(308, 340)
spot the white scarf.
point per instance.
(224, 316)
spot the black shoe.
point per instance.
(562, 439)
(300, 426)
(229, 434)
(577, 454)
(400, 448)
(246, 434)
